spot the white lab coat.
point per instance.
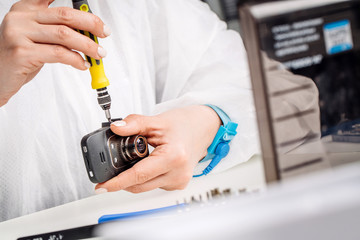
(162, 54)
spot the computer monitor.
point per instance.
(304, 59)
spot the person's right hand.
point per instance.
(33, 34)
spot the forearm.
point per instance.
(213, 69)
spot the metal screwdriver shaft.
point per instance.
(104, 101)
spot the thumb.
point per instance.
(133, 125)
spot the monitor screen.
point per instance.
(309, 57)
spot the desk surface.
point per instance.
(84, 212)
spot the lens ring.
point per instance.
(126, 150)
(141, 146)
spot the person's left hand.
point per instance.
(180, 137)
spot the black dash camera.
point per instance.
(107, 154)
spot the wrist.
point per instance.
(219, 147)
(201, 123)
(210, 120)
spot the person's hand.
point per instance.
(180, 137)
(32, 34)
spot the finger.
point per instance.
(39, 2)
(177, 181)
(155, 183)
(44, 3)
(145, 170)
(136, 124)
(170, 181)
(74, 19)
(58, 54)
(65, 36)
(31, 5)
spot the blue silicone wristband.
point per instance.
(219, 148)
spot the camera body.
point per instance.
(106, 154)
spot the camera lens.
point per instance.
(136, 147)
(140, 145)
(125, 151)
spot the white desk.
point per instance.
(84, 212)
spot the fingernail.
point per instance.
(119, 123)
(102, 52)
(100, 191)
(87, 64)
(107, 30)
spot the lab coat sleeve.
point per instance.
(199, 61)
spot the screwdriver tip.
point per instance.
(108, 115)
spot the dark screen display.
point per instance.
(323, 45)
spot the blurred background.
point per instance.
(227, 10)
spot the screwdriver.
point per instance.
(99, 80)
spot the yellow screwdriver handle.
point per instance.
(99, 79)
